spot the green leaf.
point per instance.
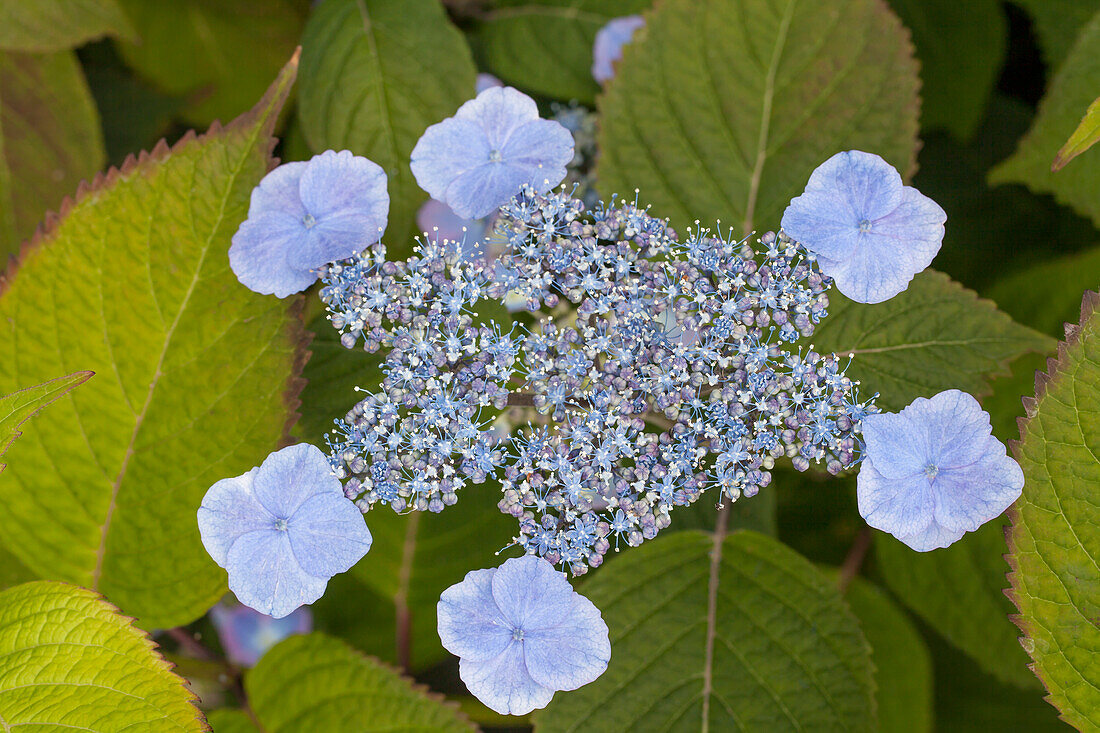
(959, 591)
(1084, 137)
(903, 666)
(50, 139)
(71, 662)
(231, 721)
(1055, 532)
(18, 407)
(316, 682)
(961, 46)
(134, 283)
(721, 632)
(1071, 90)
(222, 55)
(934, 336)
(375, 75)
(1047, 295)
(58, 25)
(545, 46)
(332, 374)
(724, 107)
(417, 556)
(1057, 23)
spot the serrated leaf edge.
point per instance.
(1090, 305)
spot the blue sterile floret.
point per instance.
(608, 46)
(870, 233)
(934, 472)
(282, 530)
(477, 160)
(304, 215)
(670, 374)
(521, 633)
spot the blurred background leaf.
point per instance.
(50, 139)
(102, 489)
(545, 46)
(59, 25)
(1057, 23)
(375, 75)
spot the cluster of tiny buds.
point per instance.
(646, 371)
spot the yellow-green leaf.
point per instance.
(133, 282)
(58, 25)
(1084, 137)
(18, 407)
(72, 662)
(1055, 535)
(50, 139)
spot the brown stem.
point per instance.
(191, 645)
(854, 561)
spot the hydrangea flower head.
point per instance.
(608, 47)
(246, 635)
(521, 633)
(282, 530)
(494, 145)
(934, 472)
(306, 214)
(870, 233)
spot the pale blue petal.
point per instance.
(503, 684)
(265, 575)
(482, 190)
(608, 46)
(258, 254)
(469, 622)
(967, 497)
(279, 192)
(531, 593)
(897, 446)
(544, 147)
(956, 426)
(445, 151)
(499, 112)
(230, 509)
(900, 506)
(486, 81)
(347, 198)
(931, 537)
(289, 476)
(870, 185)
(328, 534)
(572, 654)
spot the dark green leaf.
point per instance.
(724, 107)
(49, 139)
(545, 46)
(59, 25)
(934, 336)
(739, 633)
(1047, 296)
(375, 75)
(1057, 23)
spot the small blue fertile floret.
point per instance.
(304, 215)
(521, 633)
(934, 472)
(608, 48)
(282, 530)
(494, 145)
(870, 233)
(246, 635)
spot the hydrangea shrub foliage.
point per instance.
(542, 366)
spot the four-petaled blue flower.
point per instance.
(495, 144)
(521, 633)
(246, 635)
(282, 530)
(870, 233)
(934, 472)
(304, 215)
(608, 47)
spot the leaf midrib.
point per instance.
(101, 553)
